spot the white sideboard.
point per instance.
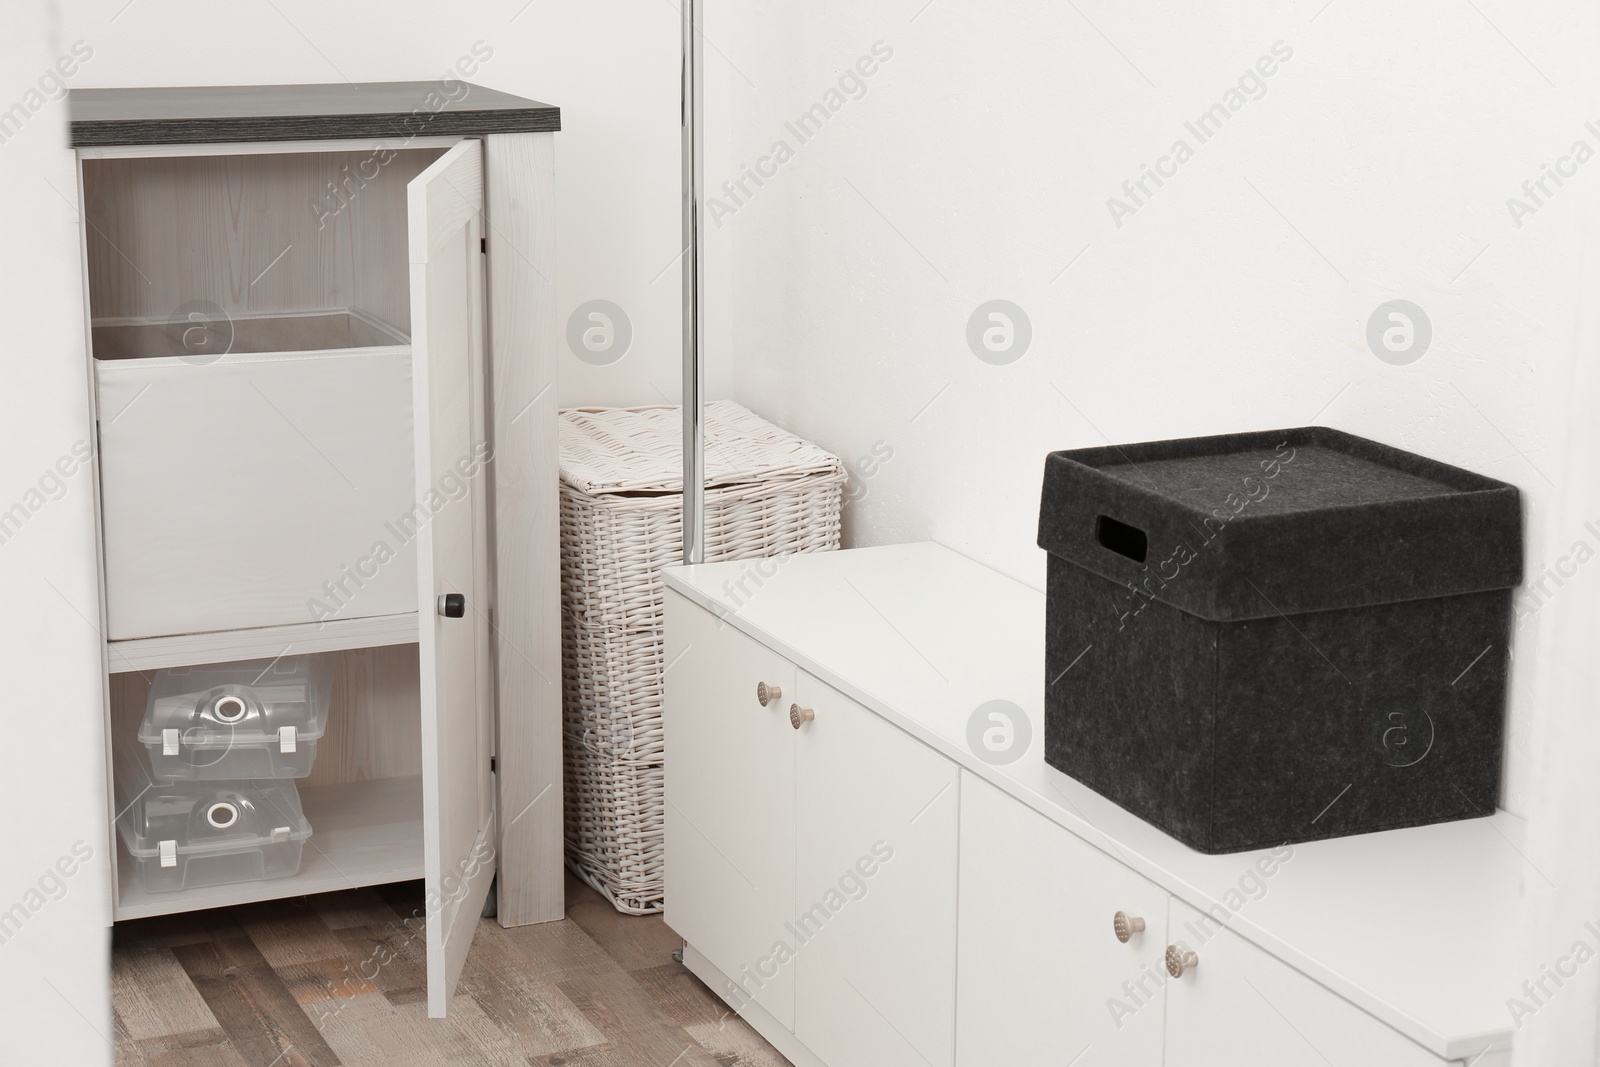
(853, 879)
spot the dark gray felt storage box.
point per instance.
(1277, 637)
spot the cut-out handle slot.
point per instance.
(1121, 538)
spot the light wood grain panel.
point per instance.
(377, 237)
(374, 724)
(225, 646)
(169, 230)
(520, 183)
(374, 729)
(268, 232)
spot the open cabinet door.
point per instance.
(447, 337)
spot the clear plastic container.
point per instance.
(185, 835)
(253, 719)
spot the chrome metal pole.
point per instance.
(694, 443)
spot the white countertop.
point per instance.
(1418, 927)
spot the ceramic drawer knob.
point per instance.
(1126, 925)
(1180, 960)
(767, 694)
(799, 716)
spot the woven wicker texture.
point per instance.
(768, 493)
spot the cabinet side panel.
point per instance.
(525, 512)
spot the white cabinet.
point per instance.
(903, 901)
(730, 816)
(875, 889)
(1239, 1005)
(814, 867)
(291, 361)
(1044, 980)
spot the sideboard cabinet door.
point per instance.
(1240, 1005)
(875, 894)
(1044, 979)
(447, 336)
(730, 805)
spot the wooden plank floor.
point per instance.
(340, 979)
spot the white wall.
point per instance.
(979, 163)
(54, 994)
(612, 66)
(1377, 165)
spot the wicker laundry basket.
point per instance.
(768, 493)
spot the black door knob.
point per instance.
(452, 605)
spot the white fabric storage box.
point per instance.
(267, 485)
(768, 494)
(252, 719)
(185, 835)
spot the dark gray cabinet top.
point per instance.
(213, 113)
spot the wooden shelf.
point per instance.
(266, 642)
(362, 833)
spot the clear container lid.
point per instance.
(249, 703)
(170, 819)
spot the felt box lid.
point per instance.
(1279, 522)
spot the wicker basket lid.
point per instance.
(640, 450)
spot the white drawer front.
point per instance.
(249, 491)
